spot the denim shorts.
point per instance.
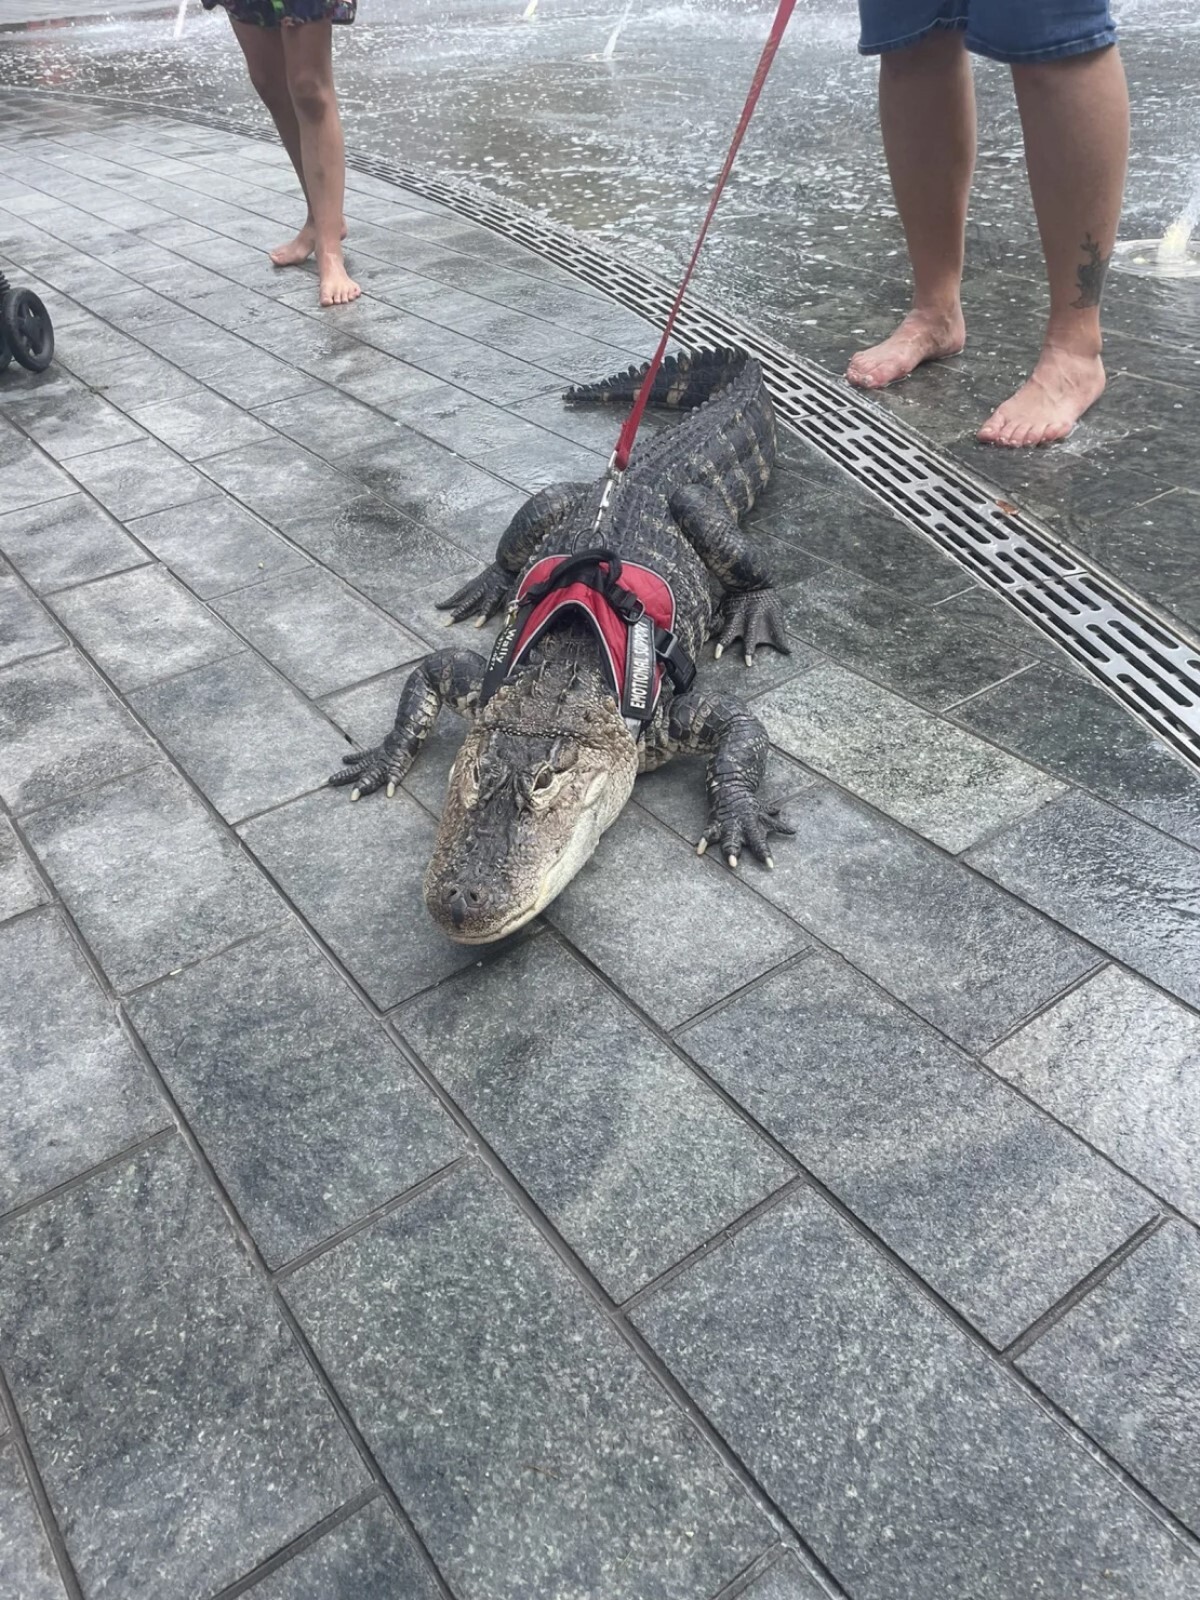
(1015, 31)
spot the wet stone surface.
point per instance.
(587, 1477)
(1126, 1365)
(226, 518)
(797, 1324)
(604, 1126)
(996, 1206)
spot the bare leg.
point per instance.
(263, 50)
(308, 57)
(927, 113)
(1075, 117)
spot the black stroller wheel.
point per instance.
(5, 352)
(28, 333)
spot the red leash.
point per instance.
(620, 457)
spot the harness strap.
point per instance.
(647, 644)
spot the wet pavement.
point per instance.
(826, 1232)
(808, 246)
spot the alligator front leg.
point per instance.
(448, 677)
(750, 611)
(487, 594)
(736, 744)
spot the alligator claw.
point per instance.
(369, 770)
(743, 821)
(482, 598)
(756, 618)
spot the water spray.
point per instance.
(183, 4)
(610, 49)
(1172, 256)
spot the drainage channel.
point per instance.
(1150, 667)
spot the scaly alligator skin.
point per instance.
(548, 762)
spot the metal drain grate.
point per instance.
(1152, 668)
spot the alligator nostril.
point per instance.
(459, 901)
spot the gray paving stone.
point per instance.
(919, 651)
(611, 913)
(404, 568)
(355, 872)
(62, 731)
(181, 1435)
(993, 1204)
(328, 423)
(786, 1580)
(200, 424)
(20, 887)
(540, 459)
(1077, 731)
(911, 1463)
(148, 876)
(837, 523)
(317, 632)
(968, 959)
(626, 1152)
(134, 479)
(140, 379)
(1111, 879)
(74, 422)
(27, 475)
(242, 734)
(141, 626)
(246, 1042)
(74, 1090)
(66, 541)
(282, 482)
(367, 1557)
(496, 1399)
(943, 783)
(1120, 1063)
(27, 1568)
(25, 629)
(1125, 1363)
(215, 545)
(424, 481)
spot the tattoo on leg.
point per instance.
(1091, 275)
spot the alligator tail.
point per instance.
(682, 383)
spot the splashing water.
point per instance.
(610, 49)
(183, 5)
(1173, 246)
(1172, 256)
(530, 11)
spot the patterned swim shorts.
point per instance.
(273, 13)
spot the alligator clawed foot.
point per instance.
(742, 820)
(482, 598)
(756, 618)
(369, 770)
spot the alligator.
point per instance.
(557, 731)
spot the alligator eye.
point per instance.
(543, 780)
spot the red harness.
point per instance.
(631, 610)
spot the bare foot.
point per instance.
(300, 248)
(1044, 409)
(922, 336)
(338, 288)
